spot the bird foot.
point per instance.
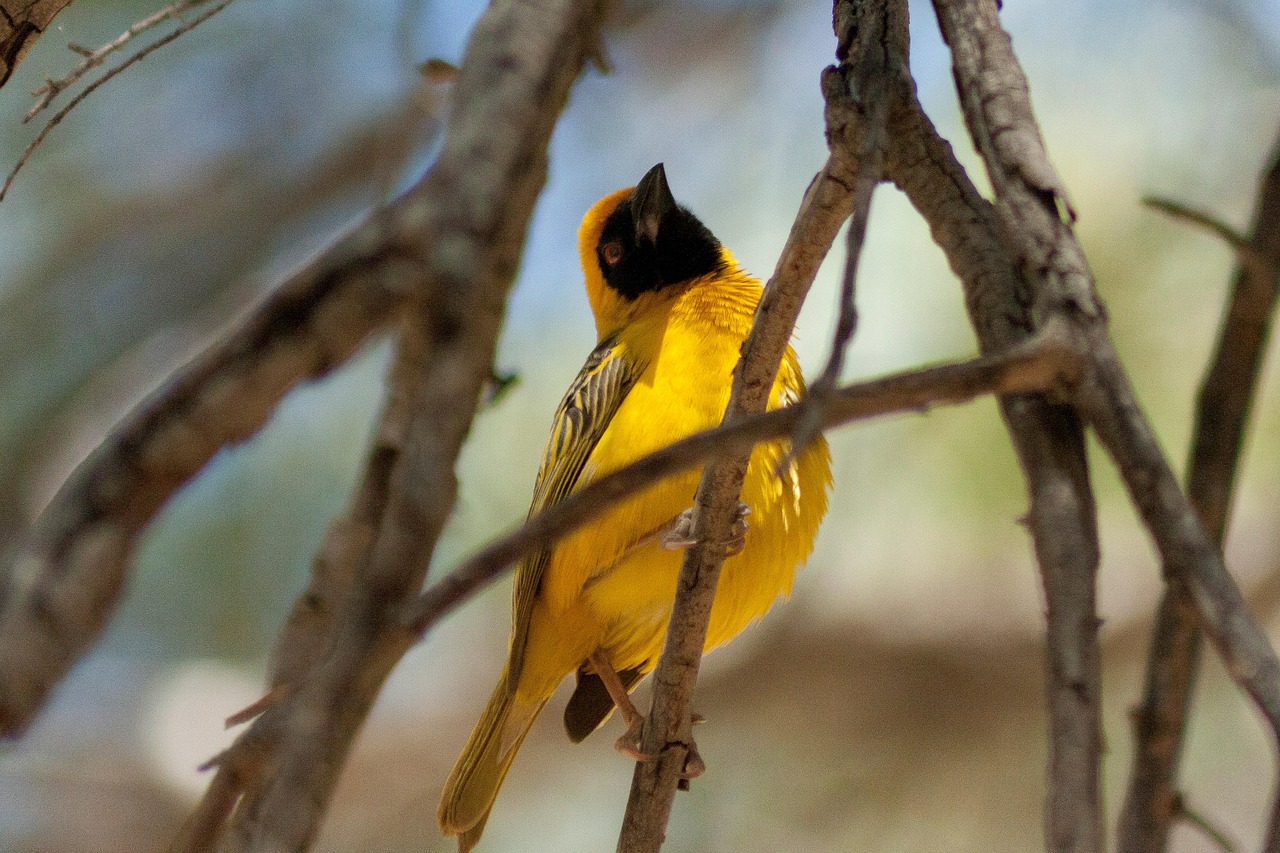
(629, 743)
(680, 536)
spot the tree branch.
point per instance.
(1222, 411)
(1047, 435)
(1035, 217)
(96, 84)
(1040, 365)
(58, 593)
(667, 732)
(522, 59)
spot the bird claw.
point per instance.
(680, 536)
(629, 743)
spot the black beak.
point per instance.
(650, 204)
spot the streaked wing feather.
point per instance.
(582, 417)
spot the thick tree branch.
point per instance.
(476, 201)
(1047, 435)
(1035, 218)
(63, 586)
(1222, 411)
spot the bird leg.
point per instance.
(629, 743)
(678, 533)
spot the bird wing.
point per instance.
(584, 414)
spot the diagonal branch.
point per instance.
(1225, 401)
(667, 732)
(522, 59)
(60, 590)
(94, 58)
(96, 84)
(1035, 218)
(1041, 364)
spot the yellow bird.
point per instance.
(672, 308)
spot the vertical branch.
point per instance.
(1222, 411)
(1035, 217)
(467, 220)
(827, 202)
(1049, 441)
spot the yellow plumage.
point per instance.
(662, 370)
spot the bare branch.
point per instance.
(1225, 401)
(522, 59)
(1047, 435)
(93, 58)
(1035, 218)
(1257, 265)
(21, 23)
(667, 732)
(61, 589)
(1040, 365)
(869, 157)
(93, 87)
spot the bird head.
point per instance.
(637, 243)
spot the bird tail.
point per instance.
(473, 784)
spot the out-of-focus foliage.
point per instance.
(895, 703)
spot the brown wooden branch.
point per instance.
(21, 23)
(96, 84)
(522, 59)
(1222, 411)
(667, 732)
(1036, 227)
(58, 593)
(93, 58)
(1046, 434)
(1041, 365)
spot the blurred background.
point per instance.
(896, 702)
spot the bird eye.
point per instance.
(611, 252)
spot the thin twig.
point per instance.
(96, 84)
(1222, 411)
(1042, 365)
(667, 732)
(872, 141)
(1214, 833)
(93, 58)
(1249, 257)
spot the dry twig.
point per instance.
(1222, 411)
(96, 84)
(93, 58)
